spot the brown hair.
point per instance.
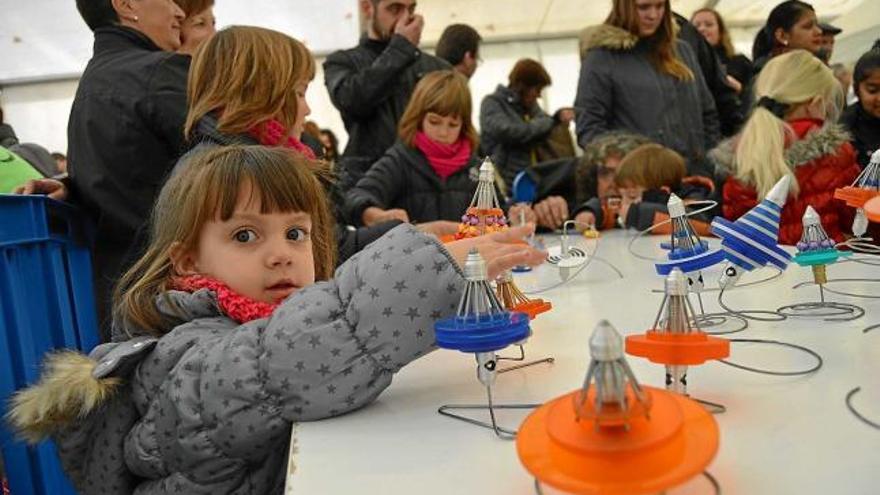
(193, 7)
(651, 166)
(624, 15)
(528, 73)
(723, 33)
(249, 73)
(444, 92)
(207, 187)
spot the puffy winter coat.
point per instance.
(510, 131)
(370, 85)
(404, 179)
(619, 89)
(208, 407)
(822, 160)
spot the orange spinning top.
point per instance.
(615, 436)
(855, 197)
(673, 340)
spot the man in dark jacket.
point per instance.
(124, 134)
(371, 83)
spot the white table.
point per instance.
(780, 435)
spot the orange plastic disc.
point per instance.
(855, 197)
(872, 209)
(677, 348)
(676, 444)
(533, 307)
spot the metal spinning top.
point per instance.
(816, 249)
(687, 251)
(610, 394)
(484, 215)
(863, 189)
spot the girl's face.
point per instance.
(605, 184)
(650, 14)
(707, 25)
(805, 34)
(302, 109)
(442, 129)
(196, 29)
(264, 256)
(869, 93)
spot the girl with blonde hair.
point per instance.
(792, 130)
(430, 173)
(237, 331)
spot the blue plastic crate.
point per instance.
(46, 302)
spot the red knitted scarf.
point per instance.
(234, 305)
(445, 159)
(272, 133)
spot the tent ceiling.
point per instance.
(46, 39)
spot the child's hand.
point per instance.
(374, 215)
(438, 227)
(501, 250)
(584, 220)
(519, 212)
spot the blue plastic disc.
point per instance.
(482, 333)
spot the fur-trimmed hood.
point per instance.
(816, 144)
(606, 36)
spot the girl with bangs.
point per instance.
(247, 85)
(637, 76)
(235, 331)
(430, 174)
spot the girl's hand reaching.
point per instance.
(501, 250)
(55, 189)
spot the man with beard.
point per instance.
(371, 83)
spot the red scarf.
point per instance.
(272, 133)
(234, 305)
(445, 159)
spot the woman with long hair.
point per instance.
(791, 25)
(636, 75)
(711, 25)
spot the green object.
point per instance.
(14, 171)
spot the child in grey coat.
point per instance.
(232, 340)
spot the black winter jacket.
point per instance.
(370, 85)
(509, 131)
(124, 134)
(349, 240)
(865, 131)
(404, 179)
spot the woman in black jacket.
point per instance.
(430, 174)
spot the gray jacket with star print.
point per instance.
(208, 407)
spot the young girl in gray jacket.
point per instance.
(231, 339)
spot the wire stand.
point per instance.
(870, 328)
(714, 320)
(840, 292)
(522, 357)
(855, 412)
(500, 431)
(826, 310)
(715, 485)
(819, 361)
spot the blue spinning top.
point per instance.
(750, 242)
(687, 251)
(481, 323)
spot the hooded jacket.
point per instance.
(348, 240)
(822, 160)
(370, 85)
(619, 89)
(509, 131)
(404, 179)
(207, 408)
